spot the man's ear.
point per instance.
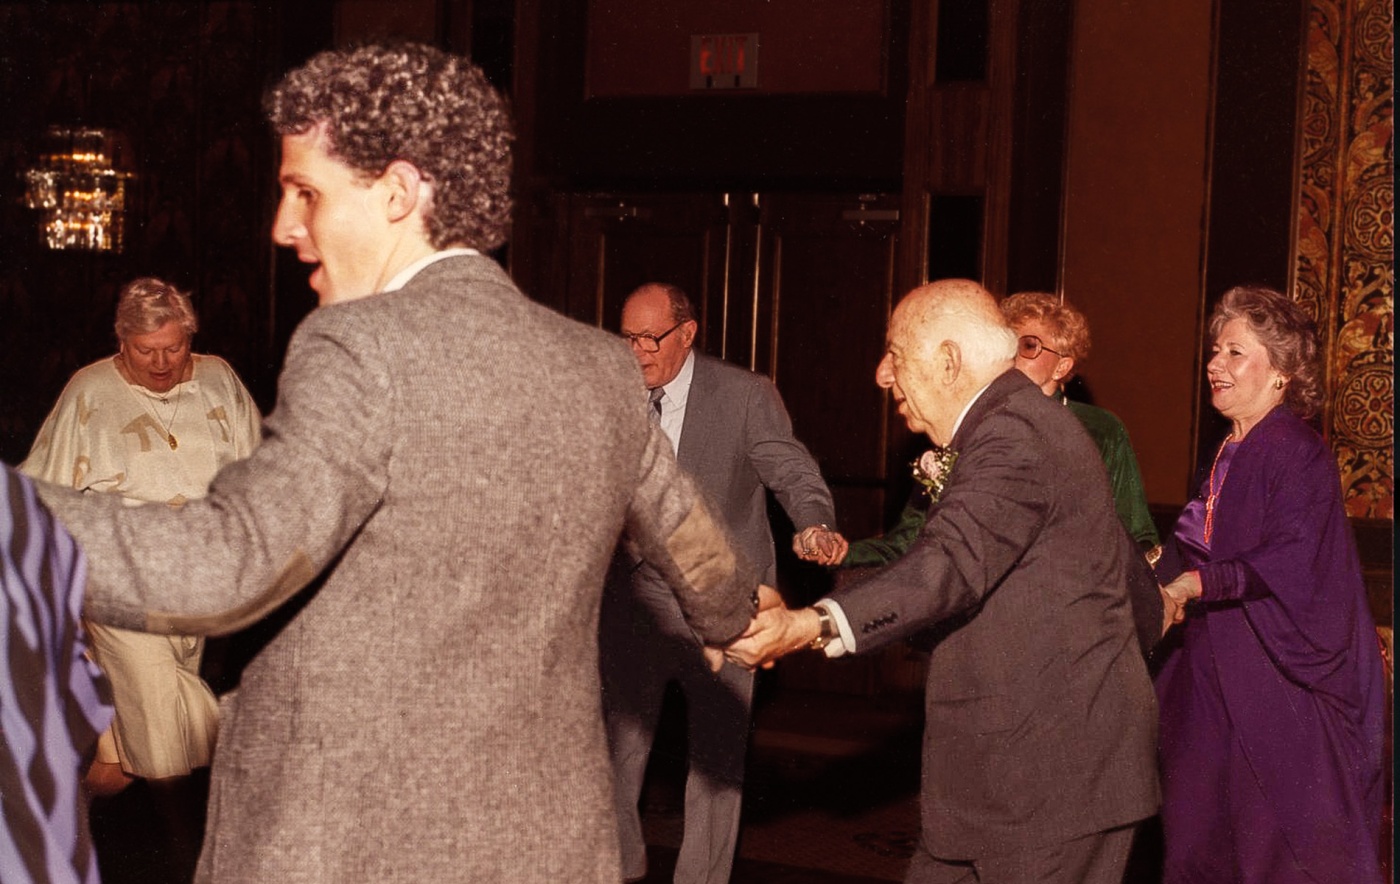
(948, 362)
(408, 189)
(687, 332)
(1064, 369)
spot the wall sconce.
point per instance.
(80, 194)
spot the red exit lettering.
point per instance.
(723, 55)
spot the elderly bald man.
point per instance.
(1040, 724)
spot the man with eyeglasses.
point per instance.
(732, 433)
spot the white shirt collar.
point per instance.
(677, 389)
(957, 425)
(403, 276)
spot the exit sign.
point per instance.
(724, 61)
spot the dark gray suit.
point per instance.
(736, 442)
(461, 460)
(1040, 718)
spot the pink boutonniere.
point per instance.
(931, 471)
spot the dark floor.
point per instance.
(831, 798)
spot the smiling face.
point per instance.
(1244, 385)
(335, 218)
(157, 360)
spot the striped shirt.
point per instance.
(53, 700)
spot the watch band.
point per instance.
(827, 630)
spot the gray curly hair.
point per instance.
(418, 104)
(1289, 335)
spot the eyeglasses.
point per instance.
(1029, 347)
(650, 343)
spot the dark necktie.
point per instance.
(655, 400)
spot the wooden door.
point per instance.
(826, 287)
(617, 242)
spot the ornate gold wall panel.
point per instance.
(1344, 255)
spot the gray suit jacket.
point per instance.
(736, 444)
(1040, 720)
(737, 441)
(462, 461)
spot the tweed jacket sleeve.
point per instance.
(275, 520)
(670, 526)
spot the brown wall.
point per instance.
(1135, 197)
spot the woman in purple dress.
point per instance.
(1270, 684)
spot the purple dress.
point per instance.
(1272, 693)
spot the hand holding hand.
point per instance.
(1176, 594)
(1172, 613)
(714, 657)
(774, 633)
(820, 544)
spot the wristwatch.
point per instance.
(827, 632)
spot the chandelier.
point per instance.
(80, 194)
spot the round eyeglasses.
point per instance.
(650, 343)
(1030, 347)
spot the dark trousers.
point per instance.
(1099, 858)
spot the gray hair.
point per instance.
(146, 304)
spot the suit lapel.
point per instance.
(700, 408)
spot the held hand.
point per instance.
(768, 597)
(1176, 594)
(1172, 613)
(714, 657)
(820, 544)
(774, 633)
(1184, 588)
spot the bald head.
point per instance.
(946, 341)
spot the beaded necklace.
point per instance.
(1213, 492)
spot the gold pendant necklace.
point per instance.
(166, 425)
(164, 400)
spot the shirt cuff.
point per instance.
(845, 642)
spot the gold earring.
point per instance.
(1278, 383)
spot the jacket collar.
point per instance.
(1007, 384)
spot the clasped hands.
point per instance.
(775, 631)
(820, 544)
(1175, 595)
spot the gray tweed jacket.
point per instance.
(457, 462)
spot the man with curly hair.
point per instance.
(431, 712)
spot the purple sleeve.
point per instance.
(1284, 550)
